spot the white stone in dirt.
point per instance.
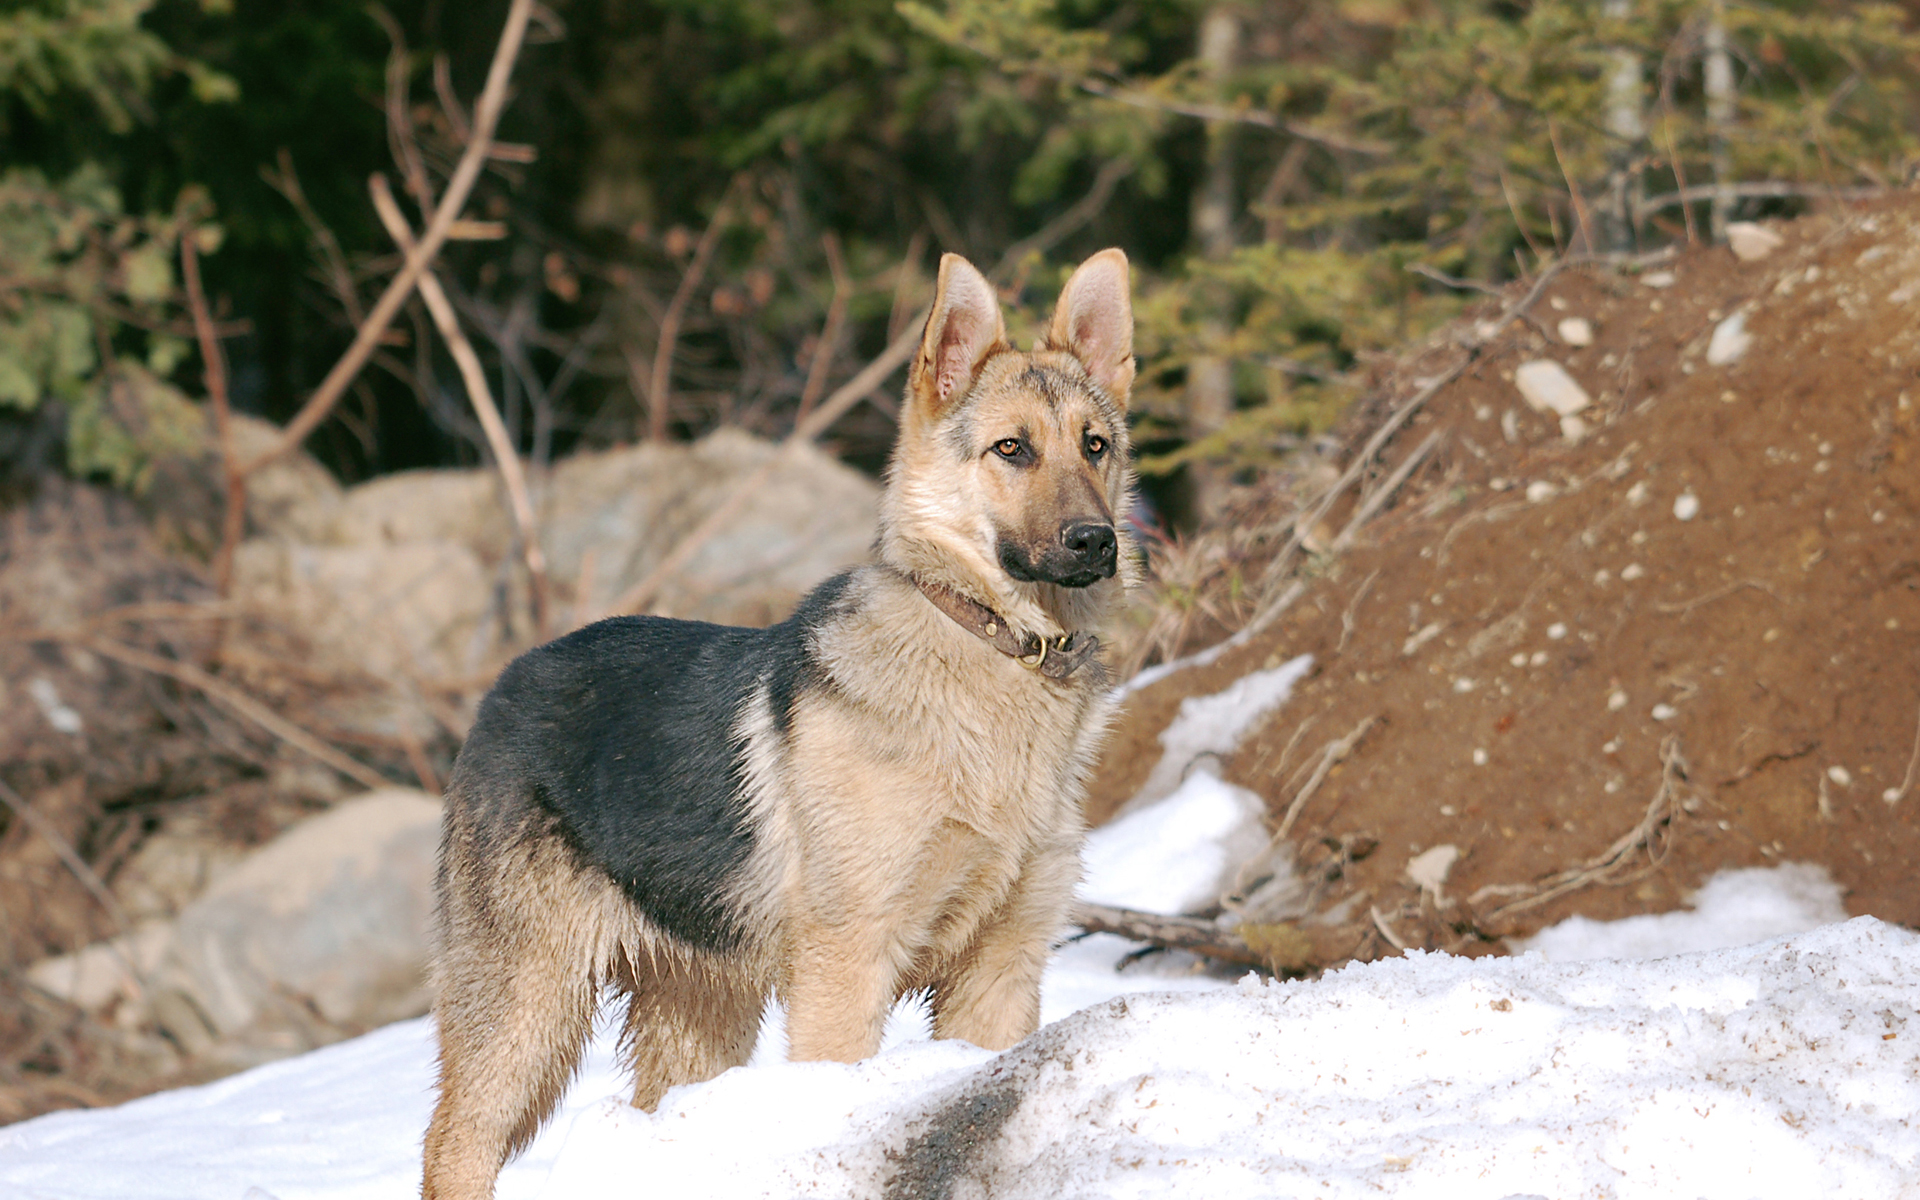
(1686, 506)
(332, 914)
(1730, 341)
(1428, 870)
(1573, 429)
(1576, 331)
(1750, 242)
(1658, 279)
(1546, 387)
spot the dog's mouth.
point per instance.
(1060, 567)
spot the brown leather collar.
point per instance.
(1055, 658)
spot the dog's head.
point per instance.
(1012, 473)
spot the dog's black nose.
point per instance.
(1090, 542)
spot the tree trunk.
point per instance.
(1719, 89)
(1210, 377)
(1626, 124)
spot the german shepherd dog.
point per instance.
(879, 796)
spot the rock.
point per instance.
(333, 913)
(413, 577)
(1750, 242)
(463, 507)
(1686, 506)
(293, 496)
(1574, 428)
(1730, 341)
(1659, 279)
(1429, 870)
(1576, 331)
(384, 614)
(628, 508)
(96, 976)
(1546, 387)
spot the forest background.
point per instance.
(704, 213)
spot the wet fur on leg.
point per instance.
(862, 801)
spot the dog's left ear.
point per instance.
(1094, 322)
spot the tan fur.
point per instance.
(917, 827)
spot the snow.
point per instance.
(1734, 908)
(1685, 1058)
(1210, 727)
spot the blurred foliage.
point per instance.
(854, 140)
(89, 313)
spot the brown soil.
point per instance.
(1527, 660)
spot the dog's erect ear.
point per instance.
(963, 328)
(1094, 322)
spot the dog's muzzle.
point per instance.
(1084, 553)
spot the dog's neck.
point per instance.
(1056, 658)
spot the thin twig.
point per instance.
(640, 595)
(1346, 618)
(506, 458)
(1386, 930)
(401, 143)
(214, 367)
(1290, 954)
(1378, 497)
(1755, 190)
(339, 277)
(1454, 281)
(1573, 190)
(1082, 211)
(88, 877)
(229, 697)
(660, 380)
(486, 118)
(1716, 594)
(1334, 752)
(1894, 796)
(903, 281)
(1243, 116)
(1299, 731)
(824, 349)
(1610, 866)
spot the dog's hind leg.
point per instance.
(688, 1019)
(514, 1009)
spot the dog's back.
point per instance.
(625, 738)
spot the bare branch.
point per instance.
(486, 118)
(1243, 116)
(228, 697)
(506, 458)
(823, 353)
(660, 381)
(214, 365)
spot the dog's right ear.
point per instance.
(964, 327)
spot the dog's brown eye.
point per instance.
(1096, 445)
(1007, 447)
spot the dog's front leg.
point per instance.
(839, 988)
(990, 996)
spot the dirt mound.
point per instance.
(1604, 669)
